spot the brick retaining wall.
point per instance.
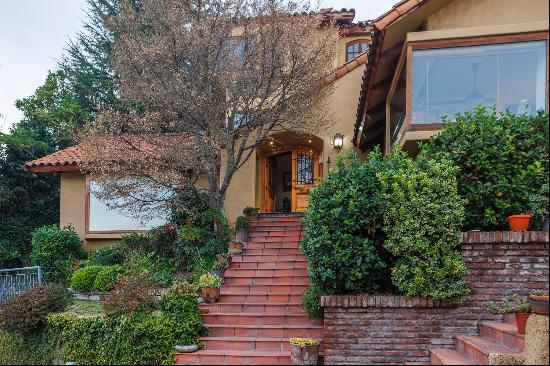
(393, 329)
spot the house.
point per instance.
(430, 58)
(277, 178)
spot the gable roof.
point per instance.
(60, 161)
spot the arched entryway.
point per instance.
(288, 167)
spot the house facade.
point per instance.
(394, 79)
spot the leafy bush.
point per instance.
(28, 349)
(343, 236)
(311, 301)
(83, 279)
(423, 214)
(163, 240)
(518, 304)
(209, 280)
(221, 263)
(503, 160)
(188, 205)
(108, 256)
(183, 310)
(539, 202)
(156, 268)
(131, 295)
(242, 223)
(183, 287)
(107, 278)
(56, 250)
(135, 242)
(27, 312)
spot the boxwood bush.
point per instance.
(107, 278)
(503, 160)
(83, 279)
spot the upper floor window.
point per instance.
(446, 81)
(355, 48)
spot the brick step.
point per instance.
(224, 357)
(479, 348)
(280, 330)
(248, 264)
(262, 289)
(274, 272)
(278, 344)
(262, 238)
(265, 280)
(258, 319)
(273, 251)
(255, 227)
(251, 298)
(265, 308)
(269, 258)
(445, 356)
(503, 333)
(285, 244)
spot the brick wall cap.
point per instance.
(380, 301)
(474, 237)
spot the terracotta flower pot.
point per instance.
(235, 247)
(307, 355)
(519, 222)
(210, 295)
(521, 321)
(539, 304)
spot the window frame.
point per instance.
(360, 42)
(461, 42)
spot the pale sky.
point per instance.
(33, 34)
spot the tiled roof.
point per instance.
(63, 160)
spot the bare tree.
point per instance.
(208, 81)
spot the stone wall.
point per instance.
(367, 329)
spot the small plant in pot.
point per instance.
(251, 211)
(210, 287)
(518, 306)
(304, 351)
(235, 247)
(519, 222)
(538, 302)
(539, 205)
(220, 265)
(241, 228)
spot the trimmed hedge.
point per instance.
(83, 279)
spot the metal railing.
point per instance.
(14, 281)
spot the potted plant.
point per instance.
(519, 222)
(235, 247)
(304, 351)
(241, 227)
(210, 287)
(538, 302)
(220, 265)
(539, 205)
(519, 306)
(251, 211)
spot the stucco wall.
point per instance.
(472, 13)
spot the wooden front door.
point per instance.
(269, 185)
(305, 175)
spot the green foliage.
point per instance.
(162, 240)
(154, 267)
(27, 312)
(188, 206)
(518, 304)
(183, 310)
(108, 256)
(56, 250)
(190, 233)
(209, 280)
(132, 295)
(248, 211)
(221, 263)
(538, 202)
(343, 236)
(107, 278)
(135, 242)
(503, 160)
(242, 223)
(28, 349)
(423, 214)
(28, 200)
(311, 301)
(83, 279)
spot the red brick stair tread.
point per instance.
(229, 357)
(445, 356)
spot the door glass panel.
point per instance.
(304, 169)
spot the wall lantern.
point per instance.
(338, 141)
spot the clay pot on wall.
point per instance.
(521, 321)
(519, 222)
(306, 355)
(210, 295)
(235, 247)
(539, 304)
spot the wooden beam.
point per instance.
(52, 168)
(391, 53)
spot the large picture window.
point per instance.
(446, 81)
(103, 218)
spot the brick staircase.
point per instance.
(259, 308)
(500, 338)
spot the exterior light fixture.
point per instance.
(338, 141)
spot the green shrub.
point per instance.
(27, 312)
(343, 236)
(135, 242)
(188, 205)
(242, 223)
(423, 214)
(133, 295)
(107, 278)
(28, 349)
(209, 280)
(183, 310)
(311, 301)
(156, 268)
(83, 279)
(503, 160)
(163, 240)
(56, 250)
(108, 256)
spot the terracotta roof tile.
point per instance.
(63, 160)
